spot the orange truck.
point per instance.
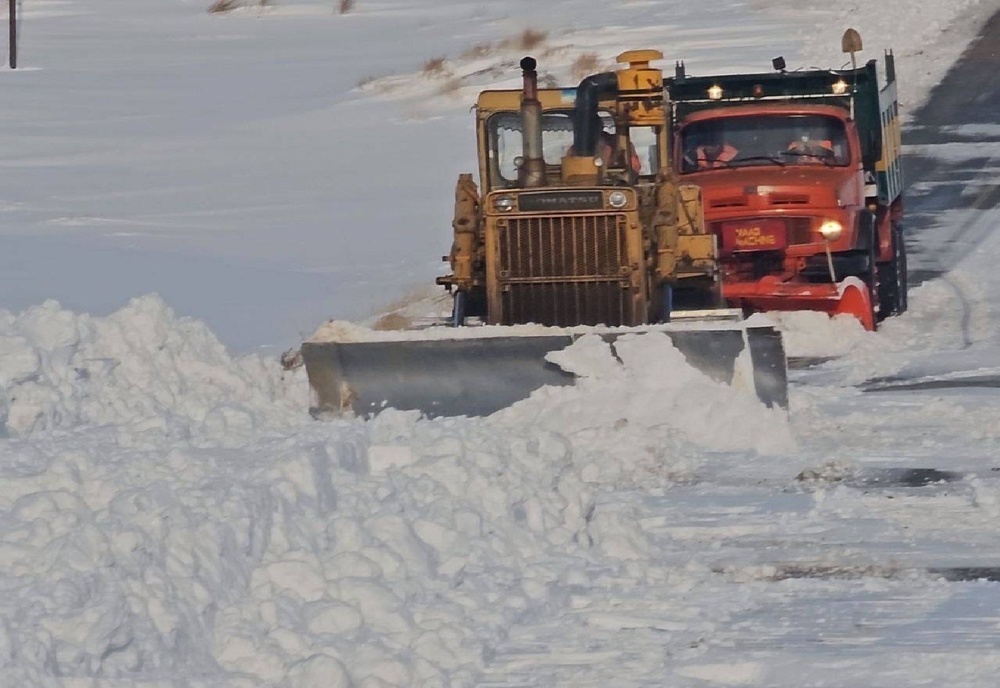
(802, 184)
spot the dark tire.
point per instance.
(870, 274)
(871, 280)
(904, 293)
(458, 309)
(892, 279)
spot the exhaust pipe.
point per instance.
(532, 172)
(588, 96)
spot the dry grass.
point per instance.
(346, 6)
(393, 321)
(584, 65)
(531, 39)
(434, 66)
(223, 6)
(479, 51)
(450, 86)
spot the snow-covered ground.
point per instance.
(170, 515)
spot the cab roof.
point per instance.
(770, 108)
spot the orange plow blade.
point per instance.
(855, 300)
(851, 297)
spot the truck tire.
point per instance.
(892, 278)
(870, 273)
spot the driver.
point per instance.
(806, 146)
(714, 152)
(606, 147)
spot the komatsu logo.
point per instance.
(561, 200)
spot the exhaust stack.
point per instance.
(587, 123)
(532, 172)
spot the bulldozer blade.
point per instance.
(478, 376)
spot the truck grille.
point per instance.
(564, 270)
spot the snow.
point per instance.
(345, 331)
(170, 514)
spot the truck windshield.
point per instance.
(764, 140)
(506, 144)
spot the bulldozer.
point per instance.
(578, 226)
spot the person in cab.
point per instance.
(713, 153)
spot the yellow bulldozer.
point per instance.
(578, 225)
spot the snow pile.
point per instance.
(141, 367)
(951, 324)
(812, 334)
(169, 514)
(646, 390)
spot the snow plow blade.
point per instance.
(480, 375)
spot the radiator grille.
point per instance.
(563, 270)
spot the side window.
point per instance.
(646, 147)
(557, 136)
(507, 145)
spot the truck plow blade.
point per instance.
(480, 375)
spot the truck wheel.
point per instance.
(458, 310)
(904, 292)
(871, 274)
(871, 280)
(892, 282)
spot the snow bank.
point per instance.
(170, 513)
(141, 367)
(646, 395)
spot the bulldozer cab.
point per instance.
(631, 155)
(579, 219)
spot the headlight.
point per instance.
(617, 199)
(839, 87)
(503, 203)
(715, 92)
(831, 230)
(598, 161)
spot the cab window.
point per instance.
(761, 140)
(507, 146)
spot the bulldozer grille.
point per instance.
(564, 270)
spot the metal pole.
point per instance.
(13, 33)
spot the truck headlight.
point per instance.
(831, 230)
(503, 203)
(617, 199)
